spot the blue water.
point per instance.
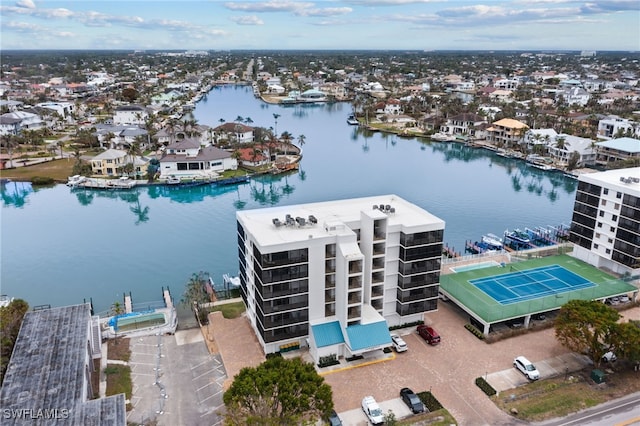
(61, 246)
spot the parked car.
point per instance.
(398, 343)
(612, 301)
(515, 323)
(624, 299)
(412, 401)
(334, 419)
(372, 410)
(428, 334)
(526, 367)
(609, 357)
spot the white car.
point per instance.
(526, 367)
(609, 357)
(398, 343)
(372, 410)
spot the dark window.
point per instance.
(605, 191)
(601, 213)
(619, 195)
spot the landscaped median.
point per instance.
(563, 395)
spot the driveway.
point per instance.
(449, 370)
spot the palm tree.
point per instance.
(133, 152)
(248, 121)
(286, 137)
(10, 142)
(275, 118)
(301, 140)
(239, 119)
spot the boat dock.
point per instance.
(450, 252)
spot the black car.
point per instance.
(334, 419)
(412, 400)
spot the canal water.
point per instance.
(62, 247)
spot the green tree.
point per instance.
(625, 341)
(587, 326)
(194, 292)
(10, 321)
(277, 392)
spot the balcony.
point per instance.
(378, 249)
(377, 278)
(330, 251)
(354, 297)
(355, 282)
(329, 296)
(330, 281)
(355, 266)
(353, 312)
(330, 266)
(377, 304)
(377, 291)
(378, 263)
(329, 309)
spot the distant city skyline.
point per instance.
(328, 24)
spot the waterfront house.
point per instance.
(620, 149)
(335, 275)
(252, 157)
(111, 162)
(188, 158)
(49, 379)
(464, 124)
(507, 132)
(233, 132)
(562, 152)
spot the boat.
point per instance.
(493, 241)
(230, 281)
(441, 137)
(517, 237)
(5, 300)
(173, 180)
(75, 180)
(352, 120)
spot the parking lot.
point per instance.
(175, 380)
(194, 380)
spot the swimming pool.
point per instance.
(137, 322)
(474, 266)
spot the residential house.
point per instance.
(500, 95)
(252, 157)
(112, 161)
(130, 114)
(614, 126)
(574, 96)
(188, 158)
(17, 121)
(64, 109)
(233, 132)
(54, 362)
(620, 149)
(463, 124)
(538, 140)
(563, 146)
(605, 222)
(507, 132)
(506, 84)
(334, 276)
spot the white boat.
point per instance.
(492, 241)
(5, 300)
(352, 120)
(75, 180)
(230, 281)
(441, 137)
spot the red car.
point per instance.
(429, 334)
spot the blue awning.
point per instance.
(327, 334)
(364, 336)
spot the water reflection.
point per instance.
(269, 190)
(15, 193)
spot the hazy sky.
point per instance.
(323, 24)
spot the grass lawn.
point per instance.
(230, 310)
(119, 381)
(557, 397)
(58, 170)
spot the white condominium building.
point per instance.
(606, 220)
(335, 275)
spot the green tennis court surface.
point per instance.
(569, 277)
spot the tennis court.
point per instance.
(530, 284)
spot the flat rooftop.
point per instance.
(331, 218)
(47, 370)
(612, 179)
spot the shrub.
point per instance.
(326, 361)
(485, 386)
(475, 331)
(42, 180)
(405, 325)
(273, 355)
(430, 401)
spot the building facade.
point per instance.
(605, 226)
(335, 275)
